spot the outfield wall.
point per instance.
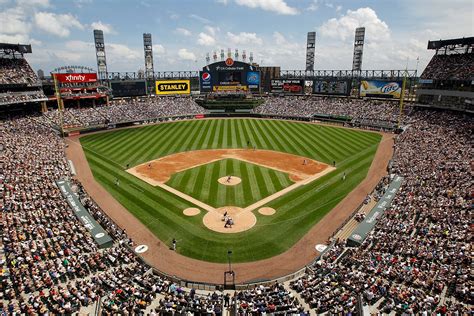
(335, 120)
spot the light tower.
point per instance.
(100, 54)
(148, 49)
(358, 48)
(310, 50)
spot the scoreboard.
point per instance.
(333, 87)
(128, 88)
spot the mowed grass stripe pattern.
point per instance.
(109, 153)
(257, 183)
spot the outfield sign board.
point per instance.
(380, 89)
(287, 86)
(171, 87)
(332, 87)
(76, 77)
(99, 234)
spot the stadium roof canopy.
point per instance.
(464, 41)
(15, 48)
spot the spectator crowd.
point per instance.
(18, 97)
(16, 71)
(125, 110)
(308, 106)
(51, 263)
(450, 67)
(417, 260)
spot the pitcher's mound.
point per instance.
(267, 211)
(232, 181)
(191, 211)
(242, 220)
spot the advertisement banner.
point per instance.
(205, 81)
(253, 79)
(380, 89)
(76, 78)
(290, 86)
(229, 88)
(308, 87)
(334, 87)
(171, 87)
(98, 233)
(365, 227)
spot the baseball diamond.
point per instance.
(246, 161)
(297, 211)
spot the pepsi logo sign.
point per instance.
(229, 62)
(206, 76)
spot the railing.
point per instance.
(301, 74)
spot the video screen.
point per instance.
(339, 87)
(230, 78)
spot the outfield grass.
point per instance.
(297, 211)
(257, 183)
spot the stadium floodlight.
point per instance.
(310, 50)
(358, 48)
(148, 49)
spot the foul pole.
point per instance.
(402, 97)
(60, 104)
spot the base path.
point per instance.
(301, 170)
(160, 170)
(172, 263)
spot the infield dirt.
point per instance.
(160, 170)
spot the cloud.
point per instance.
(212, 30)
(184, 54)
(206, 39)
(224, 2)
(200, 18)
(107, 28)
(120, 51)
(33, 3)
(18, 39)
(158, 49)
(14, 22)
(344, 27)
(81, 3)
(244, 38)
(183, 31)
(313, 6)
(57, 24)
(277, 6)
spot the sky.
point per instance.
(397, 31)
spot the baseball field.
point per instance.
(158, 172)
